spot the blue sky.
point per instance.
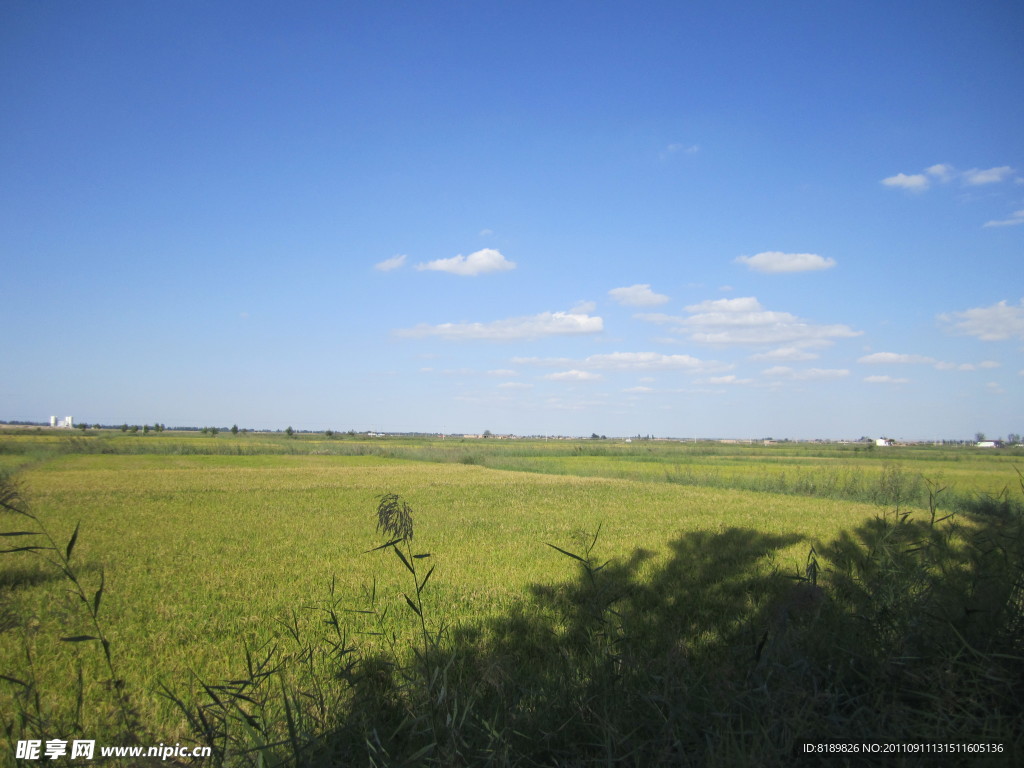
(690, 219)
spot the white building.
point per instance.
(66, 423)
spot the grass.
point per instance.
(203, 557)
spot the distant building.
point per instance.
(885, 442)
(66, 423)
(988, 444)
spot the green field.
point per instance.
(208, 546)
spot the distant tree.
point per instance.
(124, 427)
(234, 429)
(488, 433)
(145, 429)
(82, 427)
(290, 432)
(594, 436)
(213, 431)
(329, 433)
(979, 437)
(1013, 438)
(134, 429)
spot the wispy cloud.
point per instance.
(676, 149)
(885, 380)
(893, 357)
(573, 375)
(639, 295)
(477, 263)
(389, 264)
(805, 374)
(976, 177)
(995, 323)
(532, 327)
(789, 354)
(1017, 217)
(628, 361)
(745, 321)
(942, 172)
(775, 262)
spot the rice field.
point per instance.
(205, 554)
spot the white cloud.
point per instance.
(1017, 217)
(996, 323)
(792, 354)
(639, 390)
(502, 372)
(745, 321)
(389, 264)
(515, 385)
(630, 361)
(885, 380)
(940, 171)
(785, 372)
(639, 295)
(584, 308)
(745, 304)
(573, 375)
(486, 232)
(893, 357)
(989, 364)
(917, 182)
(730, 379)
(477, 263)
(775, 262)
(675, 149)
(975, 177)
(533, 327)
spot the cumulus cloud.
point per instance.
(532, 327)
(916, 182)
(893, 357)
(389, 264)
(573, 375)
(885, 380)
(477, 263)
(1017, 217)
(746, 321)
(774, 262)
(639, 295)
(975, 177)
(995, 323)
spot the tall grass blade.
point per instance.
(71, 543)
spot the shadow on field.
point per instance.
(906, 629)
(625, 661)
